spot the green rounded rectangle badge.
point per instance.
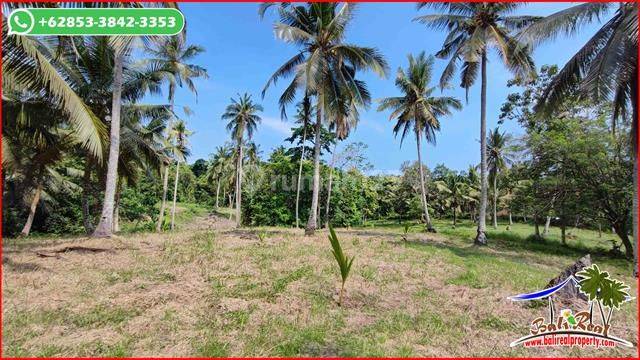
(100, 21)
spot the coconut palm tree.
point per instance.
(122, 48)
(178, 136)
(473, 29)
(604, 69)
(498, 159)
(34, 142)
(474, 190)
(219, 168)
(172, 56)
(457, 191)
(85, 65)
(143, 146)
(419, 111)
(303, 117)
(242, 119)
(325, 67)
(28, 62)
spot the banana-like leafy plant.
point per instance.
(344, 262)
(405, 233)
(262, 235)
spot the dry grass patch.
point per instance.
(209, 290)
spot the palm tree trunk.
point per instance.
(175, 195)
(163, 205)
(304, 139)
(116, 209)
(333, 160)
(105, 226)
(313, 213)
(239, 186)
(481, 238)
(422, 187)
(86, 184)
(217, 193)
(32, 211)
(326, 210)
(165, 177)
(495, 200)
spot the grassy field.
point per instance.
(210, 290)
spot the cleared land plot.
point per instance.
(209, 290)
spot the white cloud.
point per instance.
(277, 125)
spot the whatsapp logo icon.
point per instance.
(21, 22)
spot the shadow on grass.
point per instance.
(513, 241)
(517, 248)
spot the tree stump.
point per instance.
(570, 291)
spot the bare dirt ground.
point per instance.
(210, 290)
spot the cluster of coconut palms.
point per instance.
(66, 96)
(326, 66)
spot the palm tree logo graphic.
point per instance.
(604, 295)
(603, 291)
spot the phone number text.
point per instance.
(108, 22)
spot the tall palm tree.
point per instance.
(498, 159)
(242, 119)
(325, 67)
(605, 68)
(474, 190)
(179, 134)
(303, 117)
(419, 111)
(84, 63)
(172, 56)
(219, 168)
(123, 47)
(473, 29)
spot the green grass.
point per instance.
(185, 213)
(217, 293)
(103, 315)
(212, 348)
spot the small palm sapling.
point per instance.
(344, 262)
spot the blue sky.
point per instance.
(242, 53)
